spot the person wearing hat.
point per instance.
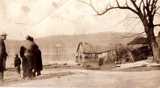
(36, 61)
(3, 55)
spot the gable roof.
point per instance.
(91, 49)
(138, 40)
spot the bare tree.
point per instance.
(145, 10)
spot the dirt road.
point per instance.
(76, 78)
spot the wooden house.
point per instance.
(87, 53)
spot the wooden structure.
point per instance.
(88, 54)
(139, 48)
(123, 54)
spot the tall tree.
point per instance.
(145, 10)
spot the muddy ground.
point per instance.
(74, 76)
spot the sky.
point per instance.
(41, 18)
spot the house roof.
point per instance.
(91, 49)
(138, 40)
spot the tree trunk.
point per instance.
(155, 51)
(152, 42)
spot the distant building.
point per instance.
(140, 48)
(87, 53)
(137, 49)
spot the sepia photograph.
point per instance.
(80, 43)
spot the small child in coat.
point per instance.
(17, 63)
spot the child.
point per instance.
(17, 63)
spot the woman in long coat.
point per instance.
(38, 61)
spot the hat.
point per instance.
(4, 34)
(29, 38)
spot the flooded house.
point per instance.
(89, 54)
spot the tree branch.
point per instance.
(140, 4)
(144, 9)
(135, 5)
(108, 8)
(118, 7)
(157, 25)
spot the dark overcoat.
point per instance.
(38, 66)
(3, 54)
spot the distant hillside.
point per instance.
(47, 44)
(12, 46)
(63, 47)
(105, 39)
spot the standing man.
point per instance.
(17, 63)
(3, 55)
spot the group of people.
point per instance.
(29, 56)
